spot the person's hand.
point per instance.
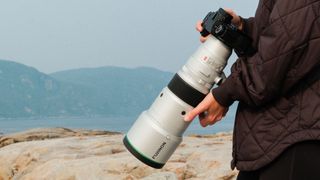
(209, 111)
(236, 20)
(200, 28)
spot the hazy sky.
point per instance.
(54, 35)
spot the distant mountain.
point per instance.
(105, 91)
(115, 90)
(24, 90)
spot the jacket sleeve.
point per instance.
(275, 67)
(250, 29)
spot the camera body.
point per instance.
(219, 25)
(158, 131)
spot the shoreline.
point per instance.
(119, 124)
(62, 132)
(49, 133)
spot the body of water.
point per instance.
(119, 124)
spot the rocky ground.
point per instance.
(65, 154)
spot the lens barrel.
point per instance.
(158, 131)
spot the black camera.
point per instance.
(219, 25)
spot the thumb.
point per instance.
(192, 114)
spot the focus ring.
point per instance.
(185, 92)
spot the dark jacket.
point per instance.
(279, 98)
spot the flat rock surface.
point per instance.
(90, 155)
